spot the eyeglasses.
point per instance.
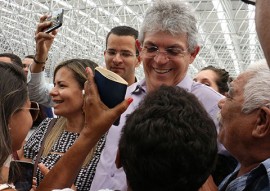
(123, 54)
(25, 66)
(34, 110)
(171, 53)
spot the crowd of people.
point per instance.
(175, 133)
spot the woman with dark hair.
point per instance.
(15, 107)
(215, 78)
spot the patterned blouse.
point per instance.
(64, 142)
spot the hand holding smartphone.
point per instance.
(21, 174)
(57, 20)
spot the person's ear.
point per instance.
(118, 160)
(263, 123)
(194, 53)
(138, 45)
(138, 61)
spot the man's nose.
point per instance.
(161, 57)
(221, 103)
(117, 57)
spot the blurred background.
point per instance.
(227, 30)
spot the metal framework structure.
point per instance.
(227, 30)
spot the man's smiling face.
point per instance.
(164, 69)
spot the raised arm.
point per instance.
(262, 20)
(43, 44)
(38, 88)
(98, 119)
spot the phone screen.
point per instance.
(21, 175)
(57, 20)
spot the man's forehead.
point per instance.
(243, 78)
(27, 60)
(240, 81)
(116, 37)
(5, 59)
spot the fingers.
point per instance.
(91, 92)
(122, 107)
(43, 24)
(34, 184)
(44, 170)
(90, 85)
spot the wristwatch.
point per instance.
(252, 2)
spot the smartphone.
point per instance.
(252, 2)
(21, 175)
(57, 20)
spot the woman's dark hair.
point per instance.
(13, 95)
(223, 78)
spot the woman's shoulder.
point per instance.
(35, 140)
(42, 128)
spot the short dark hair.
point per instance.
(124, 31)
(223, 78)
(168, 143)
(14, 58)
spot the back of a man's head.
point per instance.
(14, 59)
(168, 143)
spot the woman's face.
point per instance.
(19, 125)
(207, 77)
(66, 94)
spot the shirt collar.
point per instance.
(186, 83)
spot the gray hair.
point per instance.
(257, 88)
(172, 16)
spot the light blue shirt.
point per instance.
(107, 175)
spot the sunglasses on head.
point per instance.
(252, 2)
(34, 110)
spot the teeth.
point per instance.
(162, 71)
(57, 101)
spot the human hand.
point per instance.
(34, 184)
(44, 170)
(98, 117)
(43, 40)
(209, 185)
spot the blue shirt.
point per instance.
(257, 179)
(107, 175)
